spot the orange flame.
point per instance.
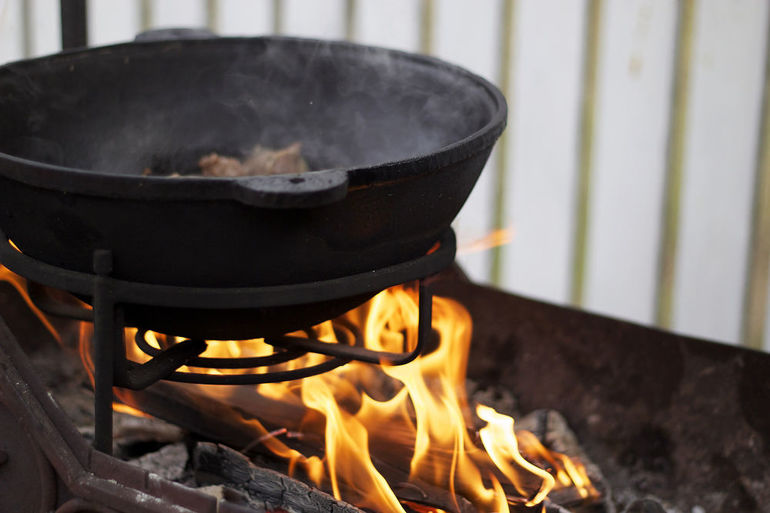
(129, 410)
(372, 418)
(493, 239)
(20, 284)
(413, 418)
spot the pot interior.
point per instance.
(163, 105)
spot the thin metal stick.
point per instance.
(74, 24)
(104, 349)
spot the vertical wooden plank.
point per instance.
(392, 24)
(145, 15)
(585, 155)
(635, 78)
(212, 15)
(278, 21)
(27, 29)
(245, 17)
(46, 18)
(322, 19)
(350, 19)
(427, 19)
(755, 300)
(115, 21)
(540, 192)
(502, 160)
(675, 157)
(10, 30)
(478, 50)
(179, 13)
(725, 108)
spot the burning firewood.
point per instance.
(214, 464)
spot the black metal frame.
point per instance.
(110, 297)
(74, 24)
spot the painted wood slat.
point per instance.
(319, 19)
(392, 24)
(425, 31)
(11, 28)
(46, 18)
(633, 101)
(28, 29)
(479, 51)
(212, 15)
(593, 28)
(351, 7)
(245, 17)
(675, 155)
(145, 14)
(116, 21)
(719, 162)
(178, 13)
(278, 17)
(542, 152)
(502, 157)
(755, 302)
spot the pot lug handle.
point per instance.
(306, 190)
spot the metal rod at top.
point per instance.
(74, 24)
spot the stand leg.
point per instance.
(104, 352)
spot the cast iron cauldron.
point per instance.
(397, 142)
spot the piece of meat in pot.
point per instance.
(260, 161)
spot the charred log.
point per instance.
(217, 464)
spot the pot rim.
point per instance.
(93, 182)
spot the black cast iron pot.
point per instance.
(397, 142)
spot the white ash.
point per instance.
(501, 399)
(169, 462)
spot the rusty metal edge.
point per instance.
(88, 474)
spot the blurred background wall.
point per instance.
(633, 178)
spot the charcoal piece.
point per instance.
(217, 464)
(645, 506)
(551, 428)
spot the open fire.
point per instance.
(376, 424)
(675, 419)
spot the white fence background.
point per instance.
(633, 170)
